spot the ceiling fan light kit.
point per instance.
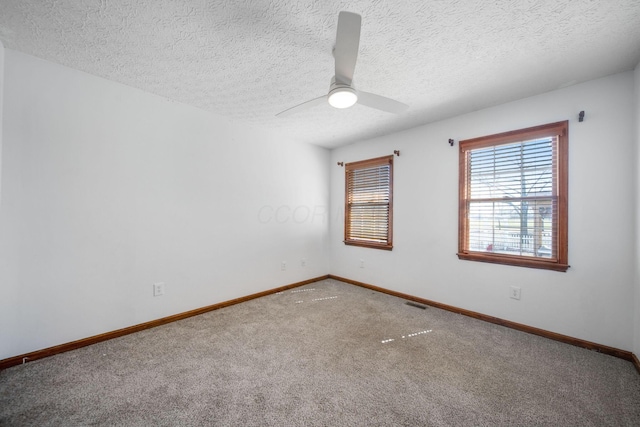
(342, 94)
(342, 97)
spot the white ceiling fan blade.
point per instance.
(303, 106)
(381, 103)
(347, 44)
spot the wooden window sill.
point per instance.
(514, 260)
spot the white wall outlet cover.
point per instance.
(158, 289)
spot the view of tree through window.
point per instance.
(513, 198)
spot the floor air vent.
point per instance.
(415, 304)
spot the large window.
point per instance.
(369, 203)
(513, 198)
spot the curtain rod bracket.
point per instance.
(581, 116)
(340, 163)
(451, 142)
(396, 152)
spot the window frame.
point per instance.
(364, 164)
(560, 188)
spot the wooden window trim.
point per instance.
(560, 262)
(360, 165)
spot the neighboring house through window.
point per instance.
(369, 203)
(513, 198)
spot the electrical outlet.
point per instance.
(158, 289)
(361, 263)
(514, 292)
(303, 262)
(283, 266)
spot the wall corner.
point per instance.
(636, 305)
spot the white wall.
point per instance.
(107, 189)
(594, 299)
(1, 103)
(637, 262)
(8, 294)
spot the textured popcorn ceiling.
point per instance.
(250, 59)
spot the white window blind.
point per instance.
(512, 198)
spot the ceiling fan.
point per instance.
(342, 93)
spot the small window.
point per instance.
(369, 203)
(513, 198)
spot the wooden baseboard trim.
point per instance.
(612, 351)
(50, 351)
(636, 362)
(46, 352)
